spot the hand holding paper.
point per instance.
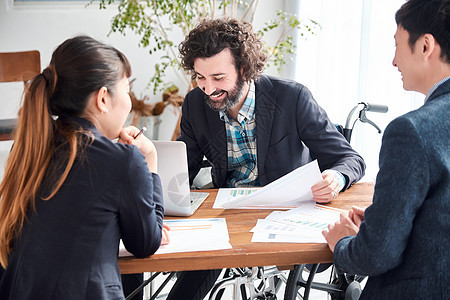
(288, 191)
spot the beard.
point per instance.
(232, 98)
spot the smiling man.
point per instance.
(252, 128)
(223, 88)
(401, 241)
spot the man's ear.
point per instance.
(101, 100)
(428, 45)
(242, 70)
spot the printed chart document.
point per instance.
(188, 235)
(286, 192)
(225, 195)
(303, 224)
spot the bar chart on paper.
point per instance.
(311, 224)
(240, 192)
(312, 216)
(225, 195)
(188, 235)
(303, 224)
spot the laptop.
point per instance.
(173, 170)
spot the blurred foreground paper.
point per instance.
(187, 235)
(303, 224)
(286, 192)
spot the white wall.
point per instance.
(43, 26)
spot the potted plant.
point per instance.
(149, 19)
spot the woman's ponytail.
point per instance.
(27, 161)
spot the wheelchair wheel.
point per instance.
(296, 282)
(341, 286)
(246, 284)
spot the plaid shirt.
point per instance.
(241, 144)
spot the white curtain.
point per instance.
(350, 61)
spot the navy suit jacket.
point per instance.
(290, 128)
(404, 242)
(68, 249)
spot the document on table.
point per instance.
(5, 148)
(303, 224)
(188, 235)
(286, 192)
(225, 195)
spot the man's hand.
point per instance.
(325, 190)
(338, 230)
(356, 215)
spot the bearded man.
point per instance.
(252, 128)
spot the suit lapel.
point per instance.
(265, 106)
(217, 144)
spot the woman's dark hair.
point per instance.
(419, 17)
(79, 67)
(210, 37)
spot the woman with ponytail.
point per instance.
(69, 192)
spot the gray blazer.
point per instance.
(404, 242)
(68, 249)
(290, 129)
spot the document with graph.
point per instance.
(188, 235)
(225, 195)
(286, 192)
(303, 224)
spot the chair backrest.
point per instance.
(19, 66)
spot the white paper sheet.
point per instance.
(303, 224)
(268, 226)
(287, 192)
(225, 195)
(265, 237)
(193, 235)
(309, 216)
(5, 148)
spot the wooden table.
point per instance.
(7, 127)
(245, 253)
(6, 136)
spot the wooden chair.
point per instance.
(16, 67)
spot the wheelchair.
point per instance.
(265, 282)
(250, 283)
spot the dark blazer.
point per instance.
(290, 128)
(68, 249)
(404, 242)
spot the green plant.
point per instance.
(155, 21)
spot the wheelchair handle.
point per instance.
(376, 108)
(363, 107)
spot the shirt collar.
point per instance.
(247, 110)
(434, 87)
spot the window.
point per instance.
(350, 61)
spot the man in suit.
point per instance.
(401, 241)
(252, 128)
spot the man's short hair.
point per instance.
(210, 37)
(419, 17)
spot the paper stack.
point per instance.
(188, 235)
(303, 224)
(286, 192)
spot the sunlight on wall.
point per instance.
(350, 61)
